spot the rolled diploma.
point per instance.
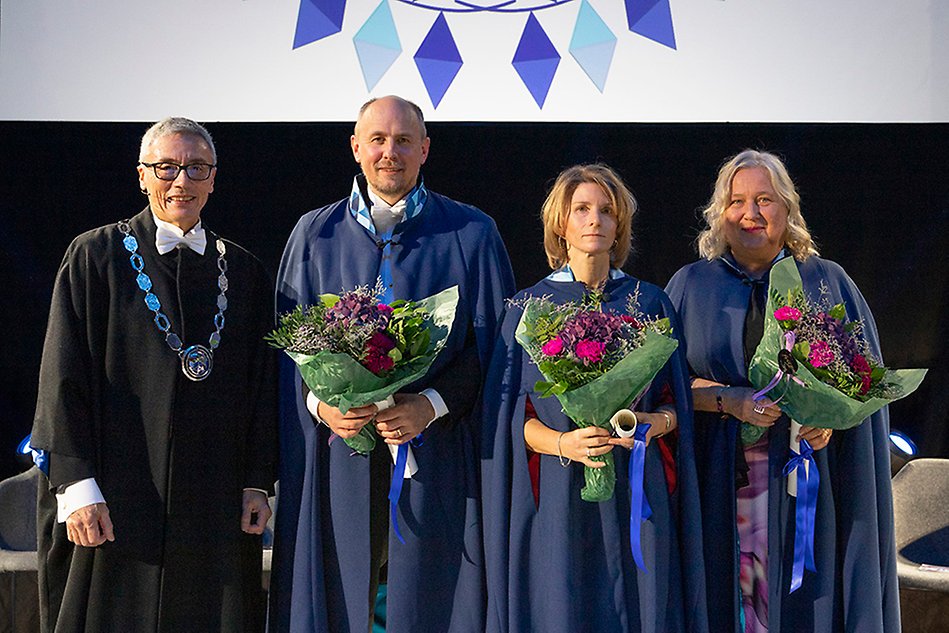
(411, 466)
(624, 418)
(796, 447)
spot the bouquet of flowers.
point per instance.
(353, 350)
(595, 362)
(816, 363)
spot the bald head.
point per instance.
(390, 144)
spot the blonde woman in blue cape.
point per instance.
(555, 562)
(754, 220)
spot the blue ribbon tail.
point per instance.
(40, 459)
(804, 512)
(639, 509)
(395, 488)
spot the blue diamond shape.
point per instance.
(652, 19)
(592, 45)
(377, 45)
(536, 60)
(318, 19)
(438, 60)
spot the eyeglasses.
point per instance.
(170, 171)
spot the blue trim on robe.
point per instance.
(855, 587)
(565, 565)
(321, 557)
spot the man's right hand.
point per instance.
(90, 526)
(349, 424)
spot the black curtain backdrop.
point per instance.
(876, 197)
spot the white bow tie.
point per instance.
(168, 238)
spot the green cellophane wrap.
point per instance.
(594, 403)
(340, 381)
(817, 404)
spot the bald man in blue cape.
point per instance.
(333, 530)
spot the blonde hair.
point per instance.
(797, 239)
(557, 207)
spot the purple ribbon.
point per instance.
(805, 509)
(789, 339)
(639, 509)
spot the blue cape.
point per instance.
(565, 564)
(855, 587)
(321, 570)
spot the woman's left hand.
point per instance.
(818, 438)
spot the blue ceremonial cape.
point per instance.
(322, 553)
(855, 587)
(565, 565)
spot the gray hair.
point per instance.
(797, 239)
(175, 125)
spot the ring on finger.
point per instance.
(759, 409)
(400, 432)
(588, 452)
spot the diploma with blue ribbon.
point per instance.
(804, 468)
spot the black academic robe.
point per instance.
(171, 456)
(321, 576)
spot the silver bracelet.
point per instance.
(668, 421)
(560, 454)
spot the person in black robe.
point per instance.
(754, 220)
(156, 415)
(333, 533)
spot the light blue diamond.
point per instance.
(592, 45)
(377, 45)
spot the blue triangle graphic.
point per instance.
(534, 43)
(375, 60)
(318, 19)
(380, 29)
(656, 24)
(537, 75)
(439, 43)
(590, 28)
(595, 61)
(437, 75)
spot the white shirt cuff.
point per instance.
(438, 404)
(80, 494)
(313, 406)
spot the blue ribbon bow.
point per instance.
(639, 509)
(805, 509)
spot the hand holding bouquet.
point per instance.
(816, 364)
(352, 350)
(595, 362)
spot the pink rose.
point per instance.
(590, 351)
(384, 308)
(787, 313)
(552, 347)
(821, 355)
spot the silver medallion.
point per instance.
(196, 362)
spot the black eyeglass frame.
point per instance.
(179, 169)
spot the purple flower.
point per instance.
(821, 355)
(552, 347)
(590, 351)
(787, 313)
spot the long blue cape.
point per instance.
(565, 565)
(855, 587)
(321, 569)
